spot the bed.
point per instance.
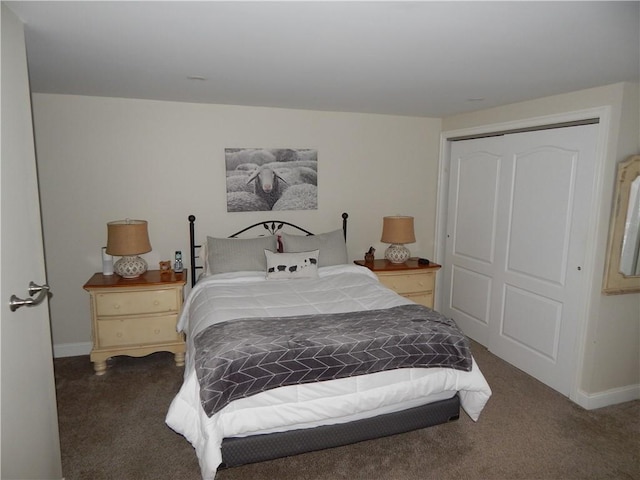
(275, 288)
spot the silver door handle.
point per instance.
(42, 291)
(35, 288)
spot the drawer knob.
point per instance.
(156, 302)
(119, 334)
(116, 306)
(156, 331)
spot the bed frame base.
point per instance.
(259, 448)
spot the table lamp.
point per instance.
(128, 238)
(397, 231)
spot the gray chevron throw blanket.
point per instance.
(239, 358)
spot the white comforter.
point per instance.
(340, 288)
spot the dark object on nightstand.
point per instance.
(368, 256)
(423, 261)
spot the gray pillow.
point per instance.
(239, 254)
(333, 249)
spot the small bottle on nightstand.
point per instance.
(177, 266)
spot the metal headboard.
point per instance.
(272, 226)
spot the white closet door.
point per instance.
(518, 218)
(469, 265)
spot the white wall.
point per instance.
(103, 159)
(610, 362)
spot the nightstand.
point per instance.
(411, 280)
(136, 316)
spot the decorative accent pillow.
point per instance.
(238, 254)
(292, 265)
(333, 249)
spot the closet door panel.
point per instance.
(539, 230)
(477, 177)
(470, 296)
(535, 309)
(540, 337)
(471, 235)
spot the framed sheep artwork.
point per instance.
(260, 179)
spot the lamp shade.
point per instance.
(398, 229)
(127, 237)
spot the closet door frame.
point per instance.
(603, 116)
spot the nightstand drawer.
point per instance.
(408, 283)
(425, 299)
(133, 303)
(142, 330)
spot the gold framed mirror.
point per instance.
(622, 268)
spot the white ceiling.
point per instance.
(429, 59)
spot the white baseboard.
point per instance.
(71, 349)
(591, 401)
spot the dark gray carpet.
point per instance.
(112, 427)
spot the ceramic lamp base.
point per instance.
(130, 266)
(397, 253)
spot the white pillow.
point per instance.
(292, 265)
